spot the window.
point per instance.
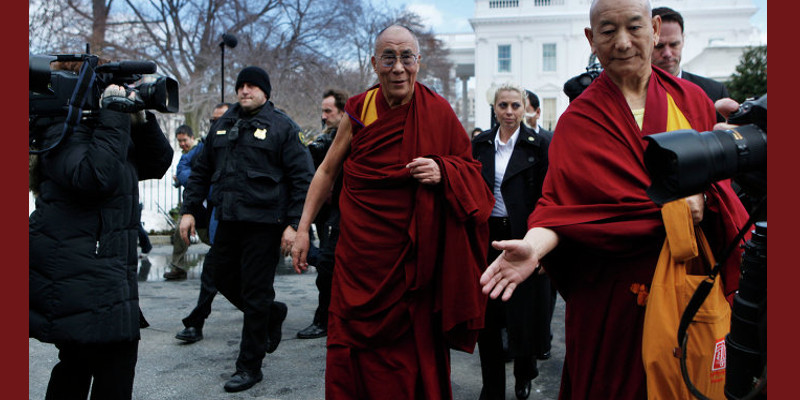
(549, 113)
(549, 57)
(503, 3)
(504, 58)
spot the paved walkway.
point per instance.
(168, 369)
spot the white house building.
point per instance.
(541, 44)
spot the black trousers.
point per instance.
(325, 272)
(197, 318)
(492, 356)
(243, 261)
(108, 368)
(490, 340)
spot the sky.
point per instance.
(452, 16)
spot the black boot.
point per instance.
(243, 380)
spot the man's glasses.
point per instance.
(389, 60)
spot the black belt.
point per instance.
(499, 221)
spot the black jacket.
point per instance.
(521, 189)
(82, 249)
(260, 169)
(522, 182)
(714, 90)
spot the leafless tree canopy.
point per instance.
(306, 46)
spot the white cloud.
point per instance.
(431, 16)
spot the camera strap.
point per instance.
(704, 288)
(86, 80)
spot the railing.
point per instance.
(158, 195)
(545, 3)
(503, 3)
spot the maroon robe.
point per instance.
(409, 256)
(611, 232)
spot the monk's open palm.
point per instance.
(512, 267)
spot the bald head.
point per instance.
(622, 35)
(599, 5)
(394, 30)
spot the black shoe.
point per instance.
(522, 390)
(312, 331)
(543, 356)
(175, 274)
(242, 380)
(190, 335)
(278, 314)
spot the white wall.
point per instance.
(528, 25)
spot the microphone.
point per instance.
(129, 67)
(229, 40)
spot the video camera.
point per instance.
(51, 93)
(64, 96)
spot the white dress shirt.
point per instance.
(502, 154)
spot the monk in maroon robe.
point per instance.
(595, 230)
(414, 216)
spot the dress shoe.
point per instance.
(522, 390)
(242, 380)
(175, 274)
(277, 315)
(313, 331)
(543, 356)
(190, 335)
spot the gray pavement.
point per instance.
(169, 369)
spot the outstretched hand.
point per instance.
(515, 264)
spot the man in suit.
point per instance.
(533, 112)
(667, 55)
(545, 306)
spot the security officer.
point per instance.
(260, 170)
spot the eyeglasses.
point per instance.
(389, 60)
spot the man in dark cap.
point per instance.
(261, 172)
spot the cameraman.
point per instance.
(327, 221)
(83, 287)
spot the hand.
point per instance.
(697, 204)
(287, 241)
(116, 91)
(515, 264)
(300, 251)
(726, 107)
(187, 228)
(119, 99)
(425, 170)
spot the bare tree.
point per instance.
(306, 46)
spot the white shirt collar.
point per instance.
(511, 141)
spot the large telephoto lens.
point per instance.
(686, 162)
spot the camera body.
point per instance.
(51, 93)
(577, 84)
(319, 147)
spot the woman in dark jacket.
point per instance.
(82, 248)
(514, 159)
